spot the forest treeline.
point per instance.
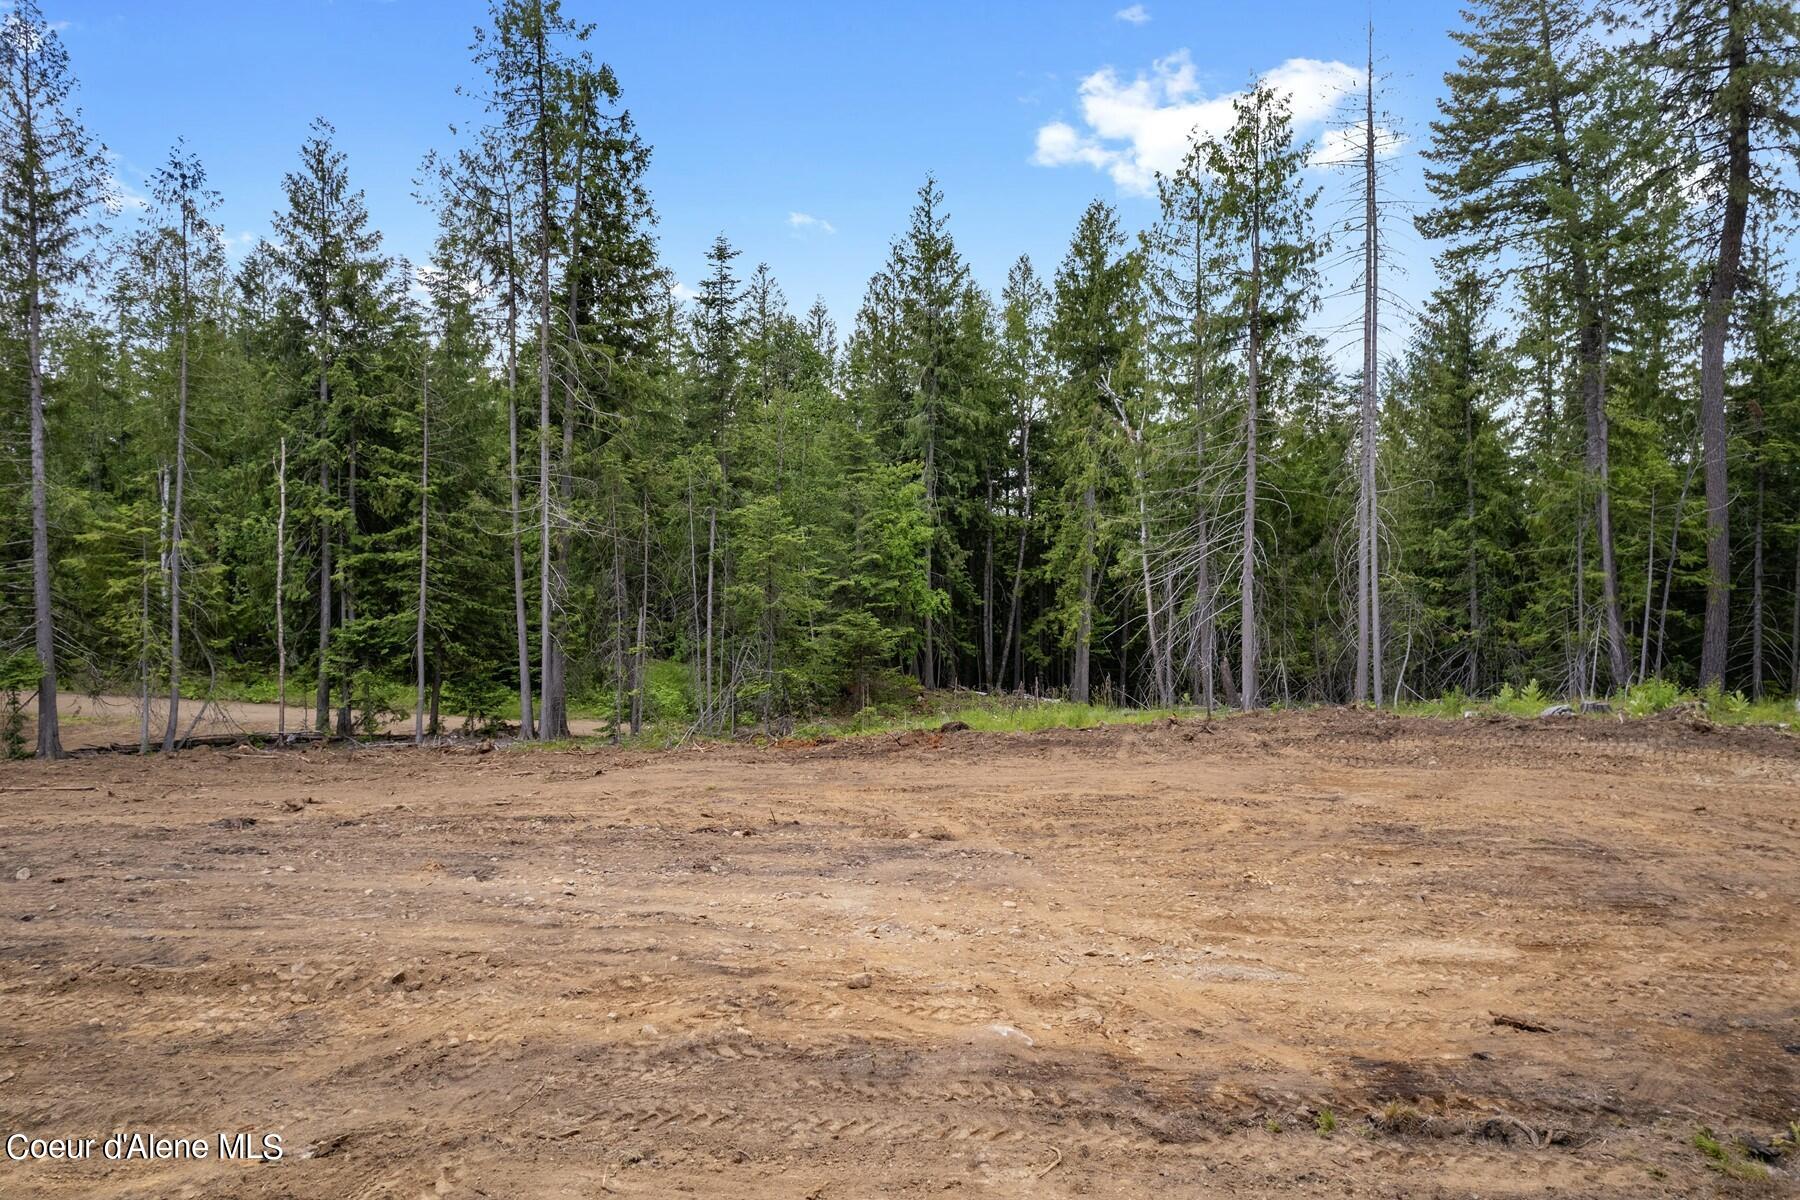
(526, 471)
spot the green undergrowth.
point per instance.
(1653, 698)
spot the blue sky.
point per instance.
(759, 111)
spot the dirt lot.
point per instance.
(87, 722)
(1118, 963)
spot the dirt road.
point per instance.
(1507, 959)
(86, 722)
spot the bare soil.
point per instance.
(1510, 959)
(90, 722)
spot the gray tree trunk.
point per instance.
(521, 627)
(322, 718)
(280, 589)
(49, 731)
(1366, 568)
(1247, 593)
(1080, 684)
(424, 542)
(170, 731)
(1715, 330)
(1756, 577)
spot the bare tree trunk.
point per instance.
(1756, 574)
(1159, 653)
(987, 594)
(552, 707)
(1474, 665)
(552, 700)
(346, 725)
(1715, 330)
(1209, 625)
(424, 540)
(1365, 513)
(928, 666)
(280, 588)
(1643, 671)
(1579, 688)
(618, 639)
(1662, 619)
(1599, 469)
(697, 668)
(170, 731)
(1204, 599)
(1079, 680)
(527, 728)
(1247, 596)
(1794, 631)
(322, 718)
(49, 732)
(712, 541)
(1018, 584)
(643, 627)
(144, 652)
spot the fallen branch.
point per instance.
(1521, 1024)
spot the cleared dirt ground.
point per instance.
(1126, 962)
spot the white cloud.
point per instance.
(803, 222)
(235, 244)
(682, 292)
(1344, 146)
(1138, 127)
(122, 195)
(1137, 14)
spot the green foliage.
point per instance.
(18, 674)
(670, 689)
(1651, 697)
(731, 518)
(1727, 1158)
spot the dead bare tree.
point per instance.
(424, 540)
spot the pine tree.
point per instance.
(1025, 374)
(339, 285)
(1094, 331)
(51, 179)
(1733, 71)
(1508, 151)
(1194, 330)
(187, 239)
(930, 279)
(535, 69)
(1459, 515)
(1265, 207)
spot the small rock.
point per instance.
(858, 981)
(22, 874)
(1557, 710)
(1009, 904)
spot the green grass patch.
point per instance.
(995, 715)
(1726, 1158)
